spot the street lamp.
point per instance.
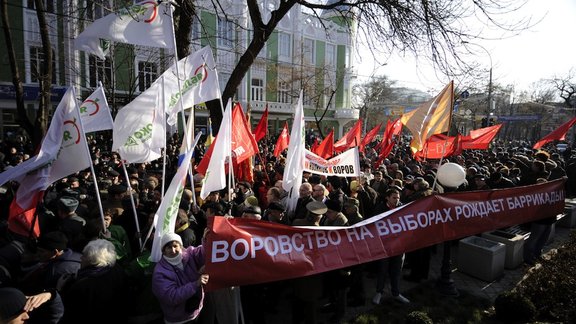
(489, 109)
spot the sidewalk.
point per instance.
(462, 282)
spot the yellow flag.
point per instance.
(431, 117)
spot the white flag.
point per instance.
(165, 217)
(95, 112)
(294, 167)
(73, 155)
(146, 23)
(139, 129)
(63, 152)
(215, 177)
(198, 80)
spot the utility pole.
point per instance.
(489, 106)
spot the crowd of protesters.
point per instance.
(85, 269)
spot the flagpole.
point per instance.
(90, 159)
(138, 233)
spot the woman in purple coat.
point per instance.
(178, 279)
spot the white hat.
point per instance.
(169, 237)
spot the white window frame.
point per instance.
(196, 30)
(309, 51)
(330, 54)
(49, 5)
(147, 73)
(284, 46)
(96, 9)
(99, 70)
(36, 59)
(225, 33)
(283, 93)
(257, 89)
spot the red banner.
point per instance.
(241, 251)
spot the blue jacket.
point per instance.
(176, 288)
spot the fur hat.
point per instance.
(170, 237)
(12, 303)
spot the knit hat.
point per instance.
(169, 237)
(354, 185)
(12, 302)
(251, 201)
(68, 204)
(53, 241)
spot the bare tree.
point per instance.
(43, 72)
(371, 97)
(566, 86)
(430, 29)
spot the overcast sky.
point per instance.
(544, 51)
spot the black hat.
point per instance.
(253, 210)
(12, 302)
(53, 240)
(117, 189)
(68, 204)
(334, 205)
(316, 207)
(276, 206)
(112, 172)
(216, 207)
(480, 176)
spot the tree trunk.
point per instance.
(260, 36)
(45, 78)
(22, 117)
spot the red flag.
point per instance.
(387, 144)
(20, 218)
(314, 145)
(438, 146)
(480, 139)
(350, 139)
(262, 127)
(244, 145)
(283, 141)
(369, 137)
(557, 134)
(326, 147)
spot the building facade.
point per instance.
(302, 53)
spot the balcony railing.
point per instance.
(277, 107)
(347, 113)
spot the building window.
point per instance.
(147, 73)
(96, 9)
(330, 55)
(48, 5)
(307, 99)
(309, 51)
(257, 90)
(196, 30)
(283, 92)
(99, 71)
(285, 49)
(36, 61)
(225, 32)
